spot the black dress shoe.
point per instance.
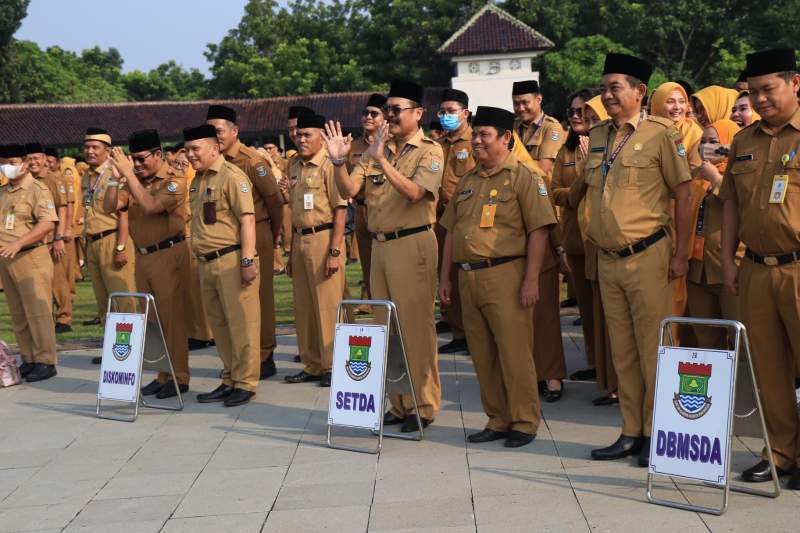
(267, 369)
(794, 481)
(542, 385)
(152, 388)
(551, 396)
(296, 359)
(238, 397)
(585, 374)
(605, 400)
(41, 372)
(217, 395)
(168, 390)
(410, 424)
(760, 472)
(389, 419)
(197, 344)
(644, 453)
(577, 322)
(325, 380)
(301, 377)
(455, 346)
(569, 302)
(25, 369)
(63, 328)
(442, 327)
(623, 447)
(487, 435)
(518, 438)
(97, 360)
(92, 322)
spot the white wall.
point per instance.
(488, 79)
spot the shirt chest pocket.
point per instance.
(637, 169)
(744, 178)
(792, 170)
(593, 170)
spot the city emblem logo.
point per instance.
(358, 365)
(692, 400)
(122, 345)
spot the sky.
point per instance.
(146, 32)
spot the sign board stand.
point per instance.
(369, 361)
(683, 443)
(129, 347)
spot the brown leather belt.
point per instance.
(640, 246)
(772, 260)
(486, 263)
(163, 245)
(219, 253)
(98, 236)
(392, 235)
(315, 229)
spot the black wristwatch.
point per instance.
(246, 262)
(334, 252)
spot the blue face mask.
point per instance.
(449, 122)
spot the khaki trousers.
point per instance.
(316, 300)
(548, 349)
(500, 335)
(604, 362)
(364, 241)
(770, 309)
(197, 320)
(637, 296)
(451, 313)
(712, 301)
(27, 281)
(234, 314)
(404, 271)
(64, 283)
(266, 293)
(165, 275)
(582, 288)
(106, 277)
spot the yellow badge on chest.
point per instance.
(488, 210)
(777, 194)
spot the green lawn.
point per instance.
(86, 308)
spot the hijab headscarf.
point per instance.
(717, 101)
(597, 106)
(726, 129)
(690, 130)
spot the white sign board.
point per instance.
(692, 414)
(359, 354)
(123, 344)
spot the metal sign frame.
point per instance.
(740, 340)
(391, 320)
(162, 359)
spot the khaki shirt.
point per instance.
(225, 185)
(169, 187)
(265, 186)
(27, 202)
(358, 148)
(94, 184)
(387, 209)
(633, 201)
(458, 161)
(522, 207)
(755, 158)
(313, 195)
(564, 174)
(55, 184)
(542, 141)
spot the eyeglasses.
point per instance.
(370, 113)
(143, 158)
(577, 111)
(396, 109)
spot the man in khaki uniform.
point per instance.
(541, 134)
(317, 263)
(154, 195)
(458, 160)
(224, 242)
(636, 164)
(371, 119)
(402, 176)
(762, 209)
(27, 216)
(268, 204)
(497, 233)
(110, 263)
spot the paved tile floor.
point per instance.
(265, 466)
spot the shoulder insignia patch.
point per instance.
(172, 187)
(555, 136)
(261, 170)
(62, 189)
(244, 188)
(435, 166)
(542, 188)
(50, 205)
(681, 150)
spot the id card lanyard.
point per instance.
(608, 160)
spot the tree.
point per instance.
(11, 14)
(168, 81)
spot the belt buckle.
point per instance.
(466, 267)
(380, 237)
(771, 261)
(612, 253)
(143, 251)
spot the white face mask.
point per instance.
(10, 171)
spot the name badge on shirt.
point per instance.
(308, 201)
(487, 215)
(10, 218)
(778, 193)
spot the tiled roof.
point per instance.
(64, 124)
(492, 30)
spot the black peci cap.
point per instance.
(296, 110)
(15, 150)
(221, 111)
(34, 148)
(52, 152)
(454, 95)
(144, 140)
(206, 131)
(770, 62)
(376, 100)
(493, 116)
(310, 121)
(629, 66)
(406, 89)
(525, 87)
